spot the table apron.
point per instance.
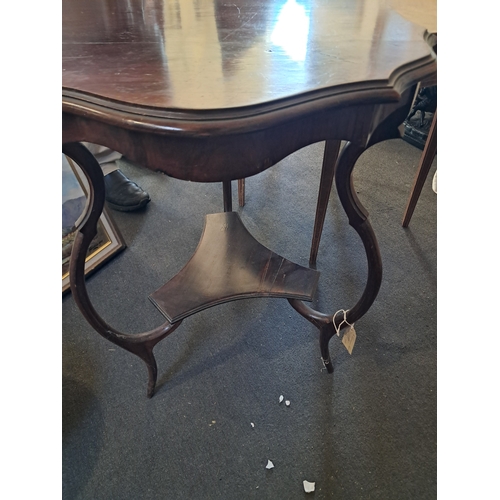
(228, 156)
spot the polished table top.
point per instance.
(182, 58)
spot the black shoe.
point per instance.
(122, 194)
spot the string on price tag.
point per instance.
(349, 337)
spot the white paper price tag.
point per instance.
(349, 338)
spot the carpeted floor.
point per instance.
(366, 432)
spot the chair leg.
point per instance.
(423, 170)
(241, 192)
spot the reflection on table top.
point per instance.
(217, 54)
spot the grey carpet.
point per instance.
(366, 432)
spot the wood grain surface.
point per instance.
(214, 54)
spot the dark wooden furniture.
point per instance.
(424, 166)
(212, 91)
(430, 145)
(237, 266)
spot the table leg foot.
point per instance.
(152, 375)
(325, 334)
(145, 352)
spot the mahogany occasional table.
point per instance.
(212, 91)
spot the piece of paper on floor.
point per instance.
(252, 424)
(287, 402)
(308, 487)
(269, 465)
(281, 398)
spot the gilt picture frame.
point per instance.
(108, 241)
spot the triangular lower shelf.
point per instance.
(230, 264)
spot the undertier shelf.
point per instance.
(230, 264)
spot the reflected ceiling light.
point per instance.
(292, 30)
